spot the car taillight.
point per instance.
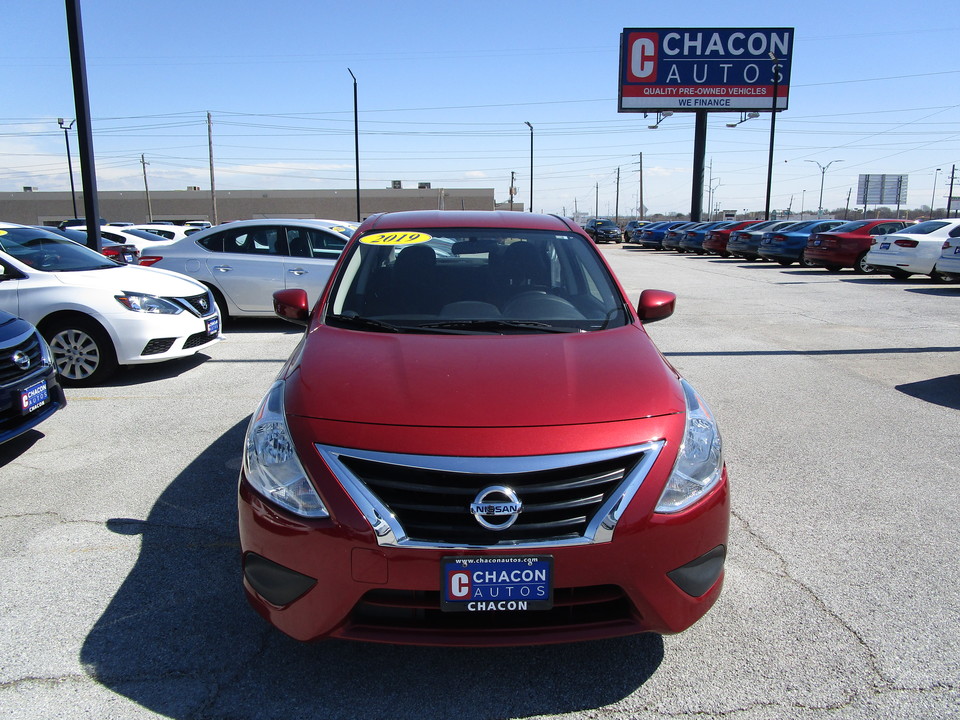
(906, 243)
(779, 238)
(150, 259)
(946, 244)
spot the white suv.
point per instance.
(97, 314)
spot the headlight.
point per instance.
(699, 464)
(46, 357)
(138, 302)
(270, 461)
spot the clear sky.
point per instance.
(446, 87)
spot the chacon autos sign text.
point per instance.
(701, 69)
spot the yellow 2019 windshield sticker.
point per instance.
(395, 238)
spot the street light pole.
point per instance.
(823, 172)
(356, 140)
(934, 194)
(73, 193)
(531, 163)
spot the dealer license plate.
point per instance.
(884, 246)
(213, 325)
(34, 396)
(489, 583)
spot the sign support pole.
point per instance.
(699, 163)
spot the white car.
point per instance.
(245, 262)
(914, 250)
(948, 264)
(97, 314)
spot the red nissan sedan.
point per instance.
(443, 460)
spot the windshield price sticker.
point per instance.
(495, 584)
(34, 396)
(395, 238)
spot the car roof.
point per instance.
(414, 219)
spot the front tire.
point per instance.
(82, 351)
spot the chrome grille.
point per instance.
(200, 305)
(425, 500)
(28, 344)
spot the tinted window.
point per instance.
(265, 240)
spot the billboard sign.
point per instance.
(701, 69)
(882, 190)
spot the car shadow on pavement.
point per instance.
(179, 639)
(939, 391)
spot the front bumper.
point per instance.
(13, 421)
(156, 338)
(316, 579)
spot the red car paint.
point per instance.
(484, 399)
(716, 241)
(845, 246)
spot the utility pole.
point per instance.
(513, 190)
(617, 201)
(953, 172)
(146, 188)
(596, 207)
(213, 185)
(642, 212)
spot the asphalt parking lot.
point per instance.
(839, 400)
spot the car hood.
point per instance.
(481, 380)
(132, 278)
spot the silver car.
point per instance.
(245, 262)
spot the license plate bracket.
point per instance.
(496, 583)
(213, 326)
(34, 396)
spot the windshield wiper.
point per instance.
(487, 326)
(366, 323)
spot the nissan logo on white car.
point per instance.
(496, 501)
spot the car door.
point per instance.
(313, 253)
(10, 278)
(250, 267)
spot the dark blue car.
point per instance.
(786, 246)
(692, 240)
(652, 235)
(746, 243)
(672, 237)
(30, 391)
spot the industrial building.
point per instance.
(31, 207)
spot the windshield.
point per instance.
(484, 280)
(50, 252)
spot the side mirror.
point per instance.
(655, 305)
(292, 305)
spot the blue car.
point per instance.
(692, 240)
(652, 235)
(746, 243)
(673, 236)
(30, 391)
(786, 246)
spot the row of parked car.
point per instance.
(899, 248)
(72, 316)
